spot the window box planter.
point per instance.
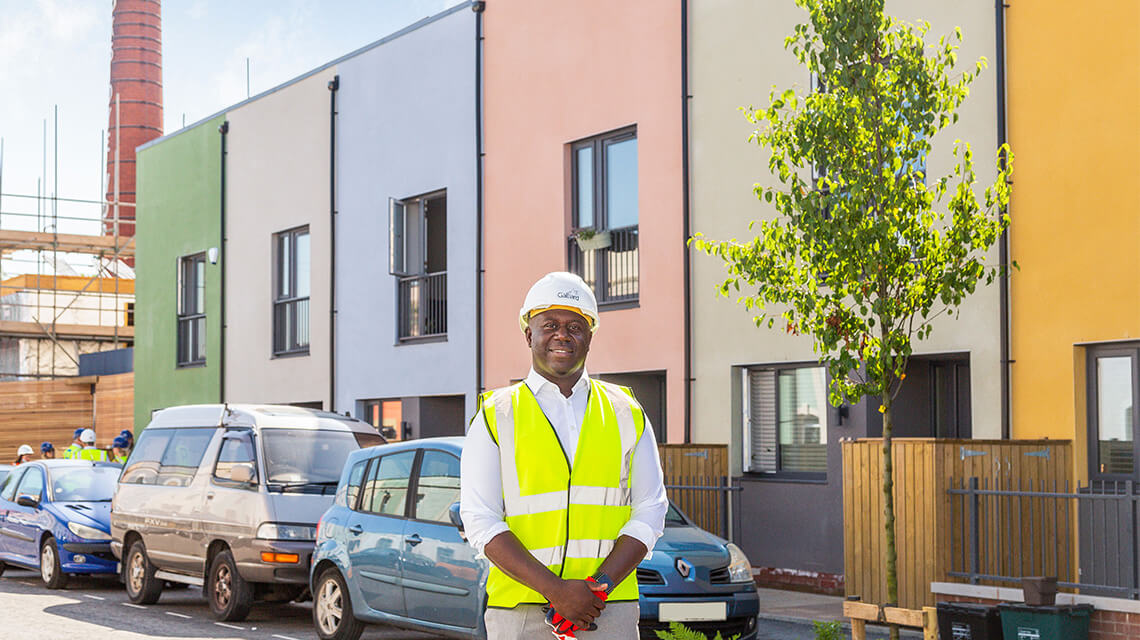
(590, 240)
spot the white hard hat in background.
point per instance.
(87, 436)
(560, 290)
(24, 450)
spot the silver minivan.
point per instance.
(227, 498)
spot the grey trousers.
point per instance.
(526, 622)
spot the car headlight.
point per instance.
(739, 569)
(277, 531)
(90, 533)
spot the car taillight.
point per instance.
(318, 536)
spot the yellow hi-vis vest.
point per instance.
(567, 515)
(94, 455)
(72, 452)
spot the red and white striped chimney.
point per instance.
(136, 87)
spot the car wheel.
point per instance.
(2, 568)
(50, 570)
(332, 609)
(230, 596)
(138, 575)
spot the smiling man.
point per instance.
(561, 483)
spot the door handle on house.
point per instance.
(413, 539)
(356, 529)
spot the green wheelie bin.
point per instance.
(1057, 622)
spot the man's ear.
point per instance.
(527, 333)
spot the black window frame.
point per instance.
(375, 465)
(415, 486)
(287, 343)
(781, 474)
(627, 238)
(1092, 354)
(354, 503)
(190, 318)
(239, 435)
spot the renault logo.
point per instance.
(684, 567)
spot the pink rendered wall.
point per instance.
(556, 72)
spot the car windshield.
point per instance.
(306, 459)
(84, 484)
(674, 517)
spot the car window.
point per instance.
(142, 466)
(32, 484)
(84, 484)
(305, 460)
(8, 492)
(183, 455)
(355, 479)
(438, 486)
(386, 490)
(235, 450)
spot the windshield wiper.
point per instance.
(285, 486)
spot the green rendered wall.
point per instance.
(179, 214)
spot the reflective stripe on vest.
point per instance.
(567, 516)
(94, 455)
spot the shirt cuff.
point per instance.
(641, 532)
(484, 536)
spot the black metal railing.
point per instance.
(1088, 539)
(612, 270)
(423, 306)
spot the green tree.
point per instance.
(866, 250)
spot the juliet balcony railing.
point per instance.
(612, 271)
(423, 306)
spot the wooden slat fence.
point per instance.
(704, 465)
(924, 470)
(32, 412)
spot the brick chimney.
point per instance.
(136, 79)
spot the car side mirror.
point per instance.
(453, 513)
(242, 472)
(29, 501)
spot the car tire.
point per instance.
(332, 608)
(2, 567)
(138, 576)
(50, 570)
(229, 595)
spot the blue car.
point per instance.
(55, 517)
(385, 557)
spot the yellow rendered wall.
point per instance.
(1074, 125)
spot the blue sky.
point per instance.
(58, 52)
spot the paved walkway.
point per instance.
(804, 608)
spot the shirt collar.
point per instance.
(536, 382)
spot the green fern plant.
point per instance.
(828, 630)
(678, 631)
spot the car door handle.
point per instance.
(413, 539)
(356, 529)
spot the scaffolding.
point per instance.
(66, 280)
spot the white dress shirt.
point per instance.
(481, 488)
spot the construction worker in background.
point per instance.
(89, 452)
(561, 485)
(23, 454)
(119, 450)
(130, 436)
(47, 450)
(72, 452)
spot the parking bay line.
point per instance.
(132, 605)
(88, 595)
(230, 626)
(276, 635)
(177, 615)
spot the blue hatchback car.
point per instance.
(391, 550)
(55, 517)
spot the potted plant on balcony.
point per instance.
(590, 239)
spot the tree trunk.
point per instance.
(889, 508)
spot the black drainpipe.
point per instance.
(223, 129)
(685, 220)
(478, 8)
(1003, 243)
(334, 85)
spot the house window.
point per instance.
(786, 421)
(417, 257)
(603, 243)
(291, 299)
(192, 310)
(1112, 394)
(387, 416)
(129, 314)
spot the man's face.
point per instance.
(49, 454)
(559, 341)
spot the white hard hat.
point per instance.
(560, 290)
(87, 436)
(24, 450)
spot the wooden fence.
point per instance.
(924, 470)
(698, 465)
(51, 410)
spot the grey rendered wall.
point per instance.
(406, 126)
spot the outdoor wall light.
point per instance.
(212, 255)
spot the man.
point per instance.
(23, 454)
(72, 452)
(89, 452)
(561, 483)
(119, 450)
(130, 438)
(47, 450)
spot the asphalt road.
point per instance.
(93, 609)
